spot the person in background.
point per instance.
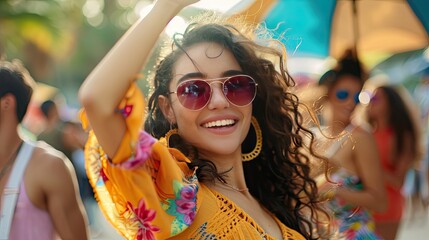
(222, 154)
(69, 138)
(48, 202)
(57, 133)
(354, 187)
(398, 143)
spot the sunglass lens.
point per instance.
(342, 94)
(240, 90)
(193, 94)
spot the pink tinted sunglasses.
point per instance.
(195, 94)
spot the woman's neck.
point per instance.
(231, 169)
(223, 162)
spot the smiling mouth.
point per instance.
(219, 123)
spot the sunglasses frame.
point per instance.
(211, 81)
(355, 96)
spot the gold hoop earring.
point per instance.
(170, 133)
(258, 146)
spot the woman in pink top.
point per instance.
(397, 141)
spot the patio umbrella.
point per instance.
(407, 68)
(326, 28)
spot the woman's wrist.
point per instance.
(167, 8)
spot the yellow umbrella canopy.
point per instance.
(328, 27)
(377, 26)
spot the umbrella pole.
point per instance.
(355, 26)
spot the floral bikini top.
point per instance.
(147, 190)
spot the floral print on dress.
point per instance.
(183, 206)
(144, 216)
(126, 111)
(353, 222)
(142, 152)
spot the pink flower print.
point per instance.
(142, 151)
(188, 192)
(144, 145)
(145, 216)
(126, 111)
(186, 203)
(189, 217)
(184, 206)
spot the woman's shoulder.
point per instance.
(361, 132)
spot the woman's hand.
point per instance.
(328, 190)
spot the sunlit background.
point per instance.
(60, 41)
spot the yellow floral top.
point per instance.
(147, 190)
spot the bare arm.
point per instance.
(108, 82)
(366, 158)
(63, 201)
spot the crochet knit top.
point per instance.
(147, 190)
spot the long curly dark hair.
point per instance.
(400, 120)
(283, 185)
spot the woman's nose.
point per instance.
(218, 99)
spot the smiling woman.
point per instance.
(357, 190)
(221, 154)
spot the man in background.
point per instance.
(48, 202)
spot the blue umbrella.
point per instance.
(326, 28)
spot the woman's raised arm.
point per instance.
(107, 84)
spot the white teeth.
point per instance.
(219, 123)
